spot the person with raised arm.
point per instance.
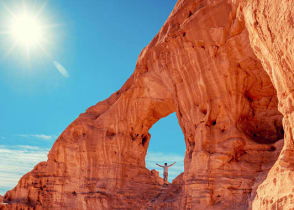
(165, 170)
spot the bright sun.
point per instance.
(27, 30)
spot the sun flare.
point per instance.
(30, 34)
(26, 30)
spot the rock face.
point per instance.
(224, 67)
(270, 25)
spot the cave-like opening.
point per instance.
(166, 145)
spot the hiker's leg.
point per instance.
(165, 177)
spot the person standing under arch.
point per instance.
(165, 170)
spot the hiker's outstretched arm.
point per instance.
(159, 165)
(171, 164)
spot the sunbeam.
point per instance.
(27, 29)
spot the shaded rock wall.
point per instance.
(201, 66)
(270, 25)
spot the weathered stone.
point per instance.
(270, 25)
(200, 65)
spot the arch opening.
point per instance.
(167, 145)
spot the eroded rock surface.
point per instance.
(270, 24)
(201, 66)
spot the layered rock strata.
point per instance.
(201, 66)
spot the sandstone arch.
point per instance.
(201, 66)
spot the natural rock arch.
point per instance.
(200, 66)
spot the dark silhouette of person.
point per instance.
(165, 170)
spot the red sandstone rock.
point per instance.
(270, 25)
(201, 66)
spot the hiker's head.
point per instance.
(165, 164)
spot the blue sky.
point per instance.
(92, 50)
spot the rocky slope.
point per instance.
(225, 68)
